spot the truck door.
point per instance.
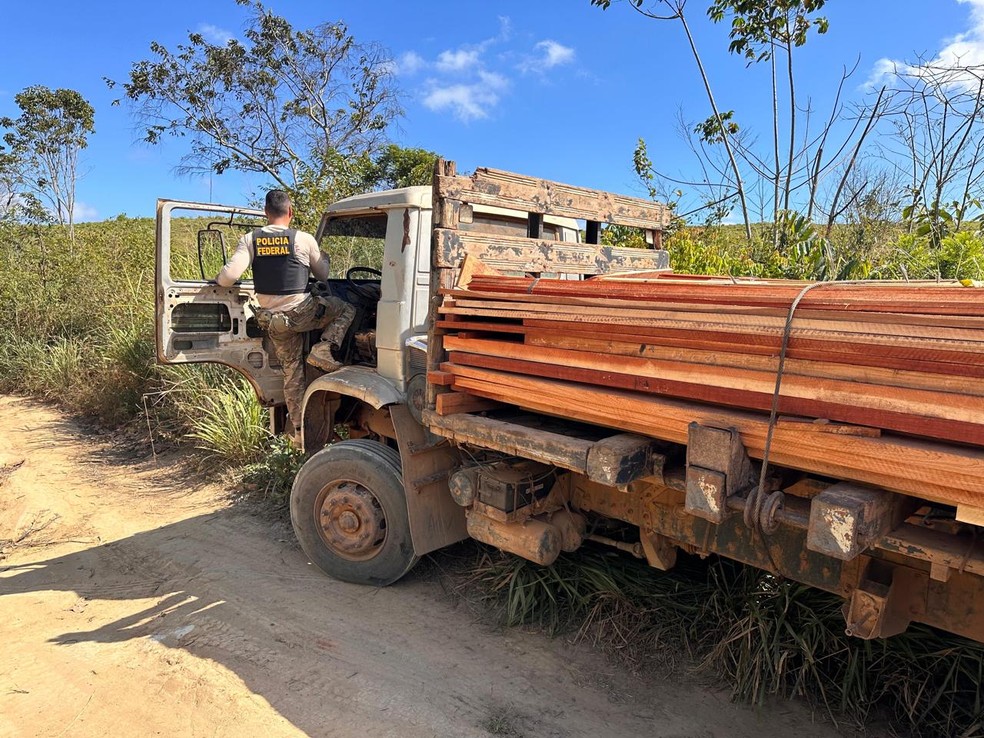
(201, 322)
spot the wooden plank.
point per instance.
(962, 337)
(971, 514)
(948, 429)
(951, 299)
(512, 438)
(517, 254)
(684, 304)
(528, 194)
(444, 379)
(963, 467)
(471, 266)
(783, 456)
(855, 355)
(829, 369)
(944, 361)
(825, 426)
(460, 402)
(942, 405)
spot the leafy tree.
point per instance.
(404, 167)
(758, 28)
(40, 163)
(306, 108)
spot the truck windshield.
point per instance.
(355, 240)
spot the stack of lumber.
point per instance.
(891, 370)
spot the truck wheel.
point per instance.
(349, 512)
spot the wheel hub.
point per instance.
(352, 521)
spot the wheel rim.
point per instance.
(350, 520)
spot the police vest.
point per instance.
(276, 268)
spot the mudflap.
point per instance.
(435, 519)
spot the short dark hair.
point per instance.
(277, 203)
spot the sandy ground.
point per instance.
(134, 600)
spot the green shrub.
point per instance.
(273, 475)
(959, 256)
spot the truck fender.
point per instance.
(325, 395)
(361, 382)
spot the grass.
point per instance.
(760, 635)
(501, 722)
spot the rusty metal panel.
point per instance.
(954, 603)
(608, 501)
(518, 254)
(885, 600)
(721, 450)
(707, 494)
(945, 551)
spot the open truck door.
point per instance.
(198, 321)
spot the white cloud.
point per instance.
(466, 101)
(410, 63)
(471, 80)
(547, 54)
(82, 213)
(493, 80)
(959, 52)
(505, 28)
(215, 35)
(462, 60)
(555, 54)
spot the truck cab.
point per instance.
(380, 246)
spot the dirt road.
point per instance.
(136, 601)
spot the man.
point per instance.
(282, 260)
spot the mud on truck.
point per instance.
(404, 459)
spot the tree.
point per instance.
(43, 146)
(732, 166)
(718, 124)
(938, 147)
(400, 167)
(758, 28)
(307, 109)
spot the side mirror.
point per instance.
(208, 240)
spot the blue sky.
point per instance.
(553, 88)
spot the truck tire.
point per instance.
(349, 511)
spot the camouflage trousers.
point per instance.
(286, 331)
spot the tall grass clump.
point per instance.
(231, 424)
(764, 636)
(216, 409)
